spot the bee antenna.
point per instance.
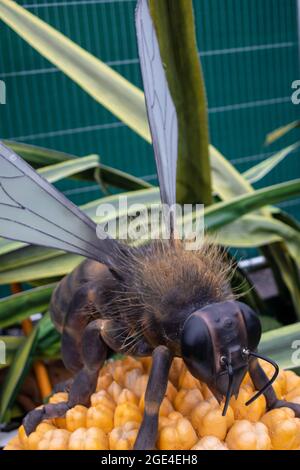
(230, 384)
(269, 383)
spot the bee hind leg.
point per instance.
(155, 392)
(94, 352)
(259, 379)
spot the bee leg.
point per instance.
(63, 386)
(155, 392)
(259, 379)
(94, 352)
(35, 417)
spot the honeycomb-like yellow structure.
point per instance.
(190, 417)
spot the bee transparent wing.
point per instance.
(160, 107)
(33, 211)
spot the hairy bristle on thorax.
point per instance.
(161, 283)
(165, 278)
(172, 278)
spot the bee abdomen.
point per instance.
(65, 291)
(60, 302)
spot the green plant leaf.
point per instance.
(12, 343)
(54, 267)
(280, 260)
(225, 212)
(43, 342)
(48, 335)
(278, 344)
(286, 219)
(26, 255)
(17, 372)
(15, 308)
(257, 172)
(48, 348)
(57, 172)
(175, 28)
(120, 179)
(286, 274)
(8, 246)
(280, 132)
(227, 181)
(40, 157)
(254, 230)
(269, 323)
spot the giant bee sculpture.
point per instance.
(158, 299)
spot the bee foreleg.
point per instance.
(155, 392)
(94, 352)
(63, 386)
(259, 379)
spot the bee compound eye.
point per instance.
(252, 325)
(197, 348)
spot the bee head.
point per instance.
(217, 343)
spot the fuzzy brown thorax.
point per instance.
(162, 283)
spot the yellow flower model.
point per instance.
(190, 417)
